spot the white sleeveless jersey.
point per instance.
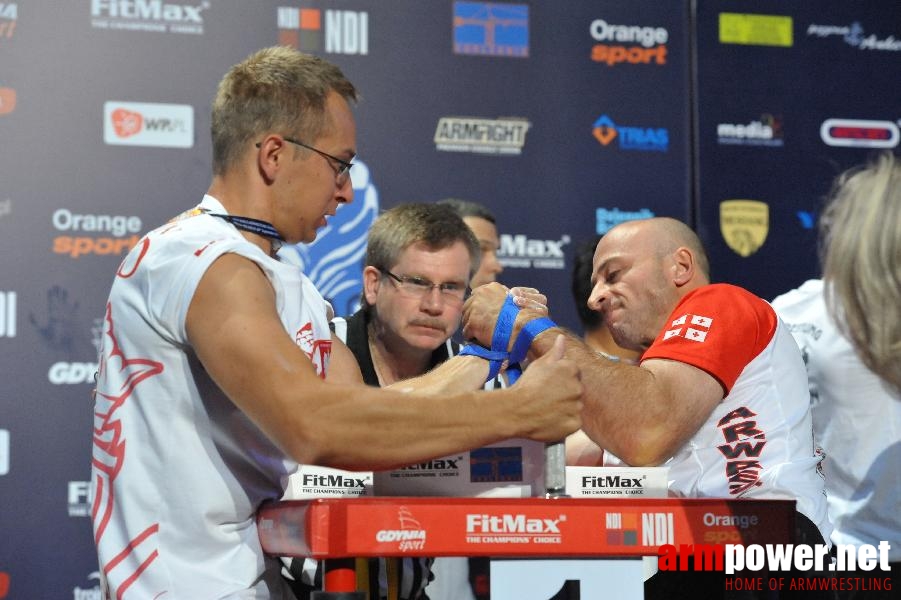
(857, 420)
(178, 470)
(758, 442)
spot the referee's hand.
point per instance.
(550, 393)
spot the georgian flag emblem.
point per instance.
(690, 327)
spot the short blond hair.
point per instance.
(275, 89)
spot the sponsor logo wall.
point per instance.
(563, 120)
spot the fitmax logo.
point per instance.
(519, 251)
(517, 524)
(440, 464)
(612, 481)
(332, 481)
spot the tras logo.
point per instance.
(628, 44)
(107, 233)
(148, 124)
(630, 137)
(491, 29)
(344, 31)
(9, 16)
(148, 15)
(334, 260)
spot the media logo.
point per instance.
(765, 131)
(334, 260)
(9, 16)
(630, 137)
(7, 314)
(744, 225)
(491, 29)
(148, 124)
(756, 30)
(410, 535)
(342, 31)
(117, 227)
(631, 44)
(634, 529)
(854, 36)
(859, 133)
(148, 15)
(7, 100)
(520, 252)
(90, 593)
(496, 464)
(4, 452)
(504, 135)
(608, 218)
(80, 496)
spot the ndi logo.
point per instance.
(346, 32)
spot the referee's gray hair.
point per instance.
(861, 235)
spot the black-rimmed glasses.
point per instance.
(341, 167)
(420, 286)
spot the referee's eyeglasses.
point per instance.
(417, 287)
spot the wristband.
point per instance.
(522, 344)
(495, 359)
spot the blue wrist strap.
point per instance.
(523, 343)
(500, 339)
(495, 359)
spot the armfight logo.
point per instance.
(504, 135)
(860, 133)
(855, 36)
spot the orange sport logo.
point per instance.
(89, 234)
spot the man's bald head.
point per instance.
(665, 236)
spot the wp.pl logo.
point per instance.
(148, 124)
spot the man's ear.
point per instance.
(371, 281)
(683, 266)
(270, 155)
